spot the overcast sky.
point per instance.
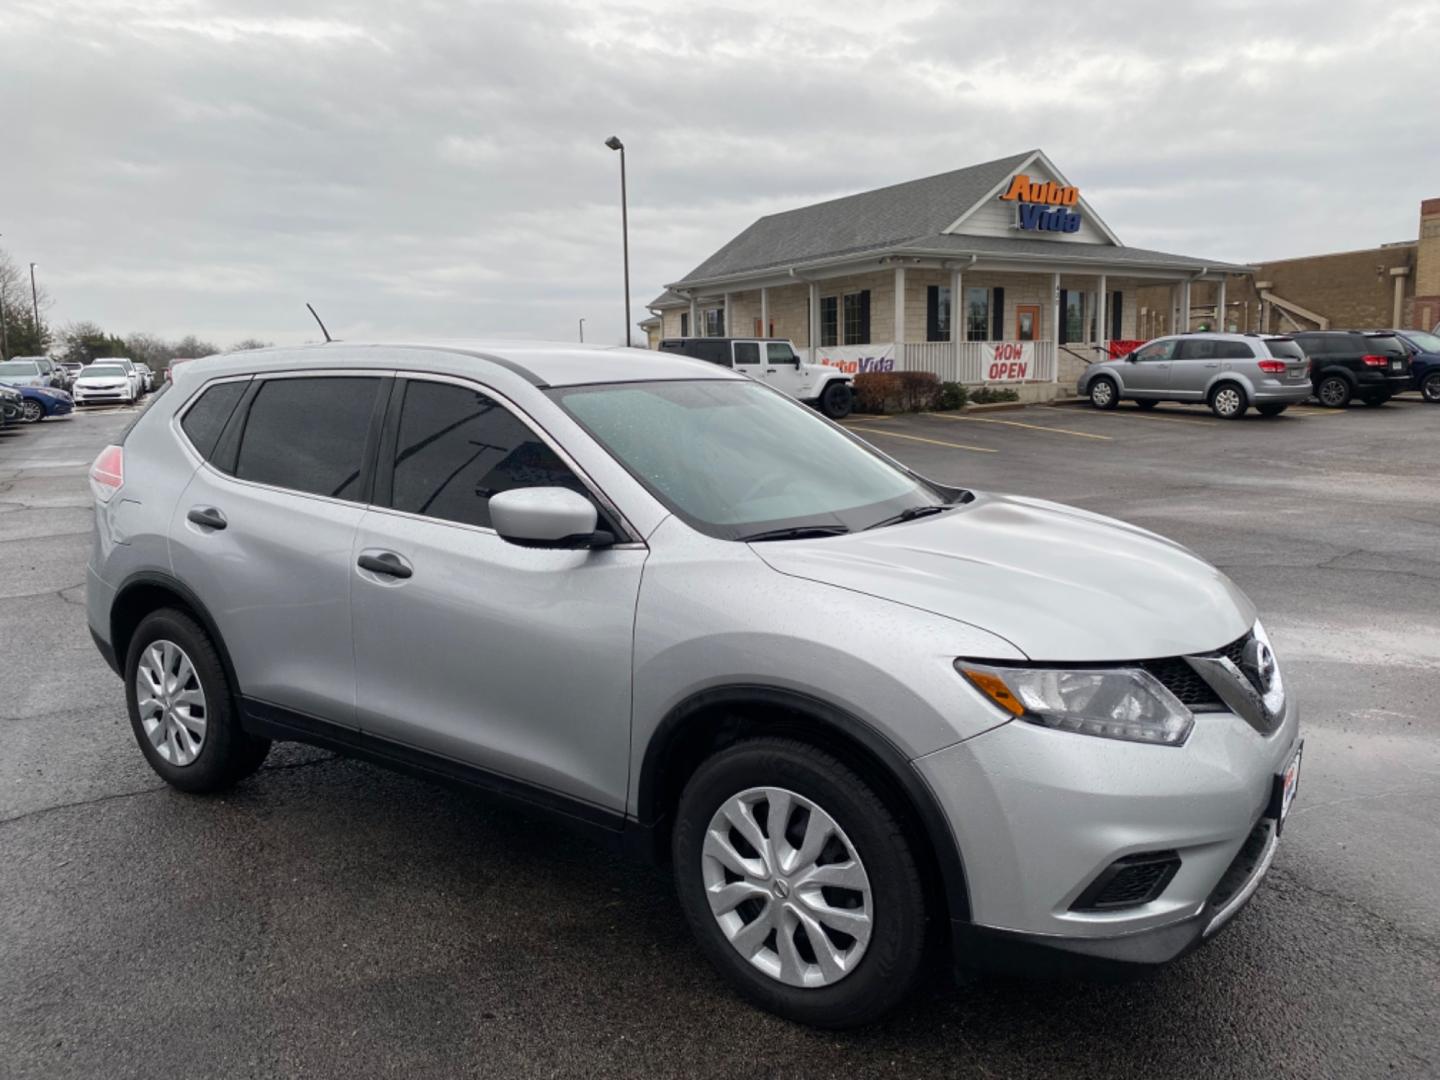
(433, 168)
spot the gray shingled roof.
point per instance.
(904, 218)
(857, 223)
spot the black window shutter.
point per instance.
(684, 324)
(865, 317)
(1116, 322)
(997, 315)
(932, 313)
(1064, 326)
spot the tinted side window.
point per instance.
(308, 435)
(779, 353)
(456, 448)
(1156, 350)
(747, 352)
(1233, 350)
(205, 420)
(1197, 349)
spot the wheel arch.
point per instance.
(711, 719)
(148, 591)
(1230, 377)
(1336, 369)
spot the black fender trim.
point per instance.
(1335, 369)
(911, 784)
(158, 579)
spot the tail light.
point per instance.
(1272, 367)
(108, 472)
(1375, 361)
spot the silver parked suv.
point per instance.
(871, 720)
(1228, 372)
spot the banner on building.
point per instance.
(857, 359)
(1008, 361)
(1120, 348)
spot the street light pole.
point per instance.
(582, 331)
(4, 325)
(614, 143)
(35, 305)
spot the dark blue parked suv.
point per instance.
(1424, 348)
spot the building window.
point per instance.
(1117, 304)
(829, 320)
(937, 313)
(715, 322)
(1072, 316)
(977, 314)
(857, 318)
(684, 324)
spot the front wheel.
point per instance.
(1227, 401)
(31, 411)
(1270, 410)
(1104, 393)
(837, 400)
(181, 707)
(1430, 388)
(800, 883)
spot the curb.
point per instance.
(996, 406)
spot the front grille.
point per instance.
(1184, 682)
(1129, 882)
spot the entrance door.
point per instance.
(1027, 322)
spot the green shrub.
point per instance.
(896, 391)
(990, 395)
(953, 395)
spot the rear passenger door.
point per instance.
(263, 533)
(515, 660)
(1197, 361)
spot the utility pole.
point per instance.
(4, 326)
(582, 331)
(35, 305)
(614, 143)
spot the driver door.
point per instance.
(784, 371)
(515, 660)
(1148, 374)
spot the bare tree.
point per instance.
(19, 335)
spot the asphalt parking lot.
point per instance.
(330, 919)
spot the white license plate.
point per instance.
(1290, 783)
(1396, 365)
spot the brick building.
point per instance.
(1000, 272)
(1391, 286)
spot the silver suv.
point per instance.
(860, 712)
(1228, 372)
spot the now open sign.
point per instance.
(1008, 361)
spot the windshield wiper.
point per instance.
(795, 532)
(911, 514)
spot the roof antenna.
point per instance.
(328, 339)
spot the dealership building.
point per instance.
(997, 273)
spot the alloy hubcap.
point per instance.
(171, 702)
(32, 411)
(1227, 401)
(1431, 388)
(1101, 394)
(787, 887)
(1332, 392)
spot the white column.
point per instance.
(764, 312)
(814, 332)
(1183, 324)
(694, 315)
(1102, 334)
(726, 327)
(1220, 324)
(1055, 321)
(957, 306)
(899, 334)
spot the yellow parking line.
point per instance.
(1310, 414)
(1019, 424)
(1136, 414)
(918, 438)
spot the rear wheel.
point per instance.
(1270, 410)
(1228, 402)
(1334, 392)
(1430, 388)
(837, 400)
(800, 884)
(1104, 393)
(181, 707)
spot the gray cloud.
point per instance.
(437, 169)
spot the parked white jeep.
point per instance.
(774, 361)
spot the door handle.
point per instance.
(385, 562)
(207, 516)
(770, 371)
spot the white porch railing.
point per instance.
(967, 361)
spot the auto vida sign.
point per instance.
(1042, 205)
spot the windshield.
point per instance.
(109, 371)
(1424, 340)
(19, 369)
(734, 458)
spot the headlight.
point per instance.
(1113, 703)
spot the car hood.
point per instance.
(1056, 582)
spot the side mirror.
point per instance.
(1129, 358)
(552, 517)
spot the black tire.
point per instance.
(1105, 393)
(893, 962)
(31, 411)
(1270, 410)
(228, 754)
(1146, 403)
(837, 400)
(1228, 401)
(1334, 391)
(1430, 388)
(1375, 400)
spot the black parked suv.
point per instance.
(1345, 364)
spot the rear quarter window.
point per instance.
(1282, 349)
(206, 419)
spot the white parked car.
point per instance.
(107, 381)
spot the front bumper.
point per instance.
(1039, 815)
